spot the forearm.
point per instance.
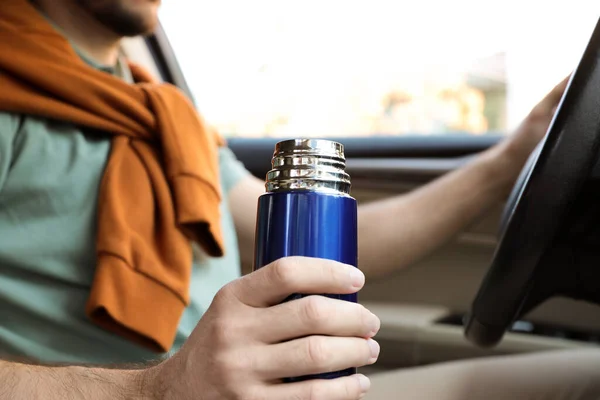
(22, 381)
(396, 232)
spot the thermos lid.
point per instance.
(308, 164)
(318, 147)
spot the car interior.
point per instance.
(423, 308)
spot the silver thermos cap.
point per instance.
(308, 164)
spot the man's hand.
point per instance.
(248, 340)
(244, 344)
(437, 212)
(517, 148)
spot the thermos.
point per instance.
(307, 211)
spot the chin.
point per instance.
(125, 17)
(139, 17)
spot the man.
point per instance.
(104, 182)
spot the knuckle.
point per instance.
(316, 352)
(361, 310)
(249, 394)
(283, 271)
(220, 330)
(350, 389)
(228, 328)
(315, 311)
(327, 389)
(233, 329)
(299, 395)
(231, 364)
(224, 294)
(331, 272)
(226, 368)
(537, 113)
(227, 319)
(363, 315)
(226, 362)
(316, 392)
(244, 393)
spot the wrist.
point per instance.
(100, 383)
(35, 381)
(139, 384)
(503, 164)
(148, 383)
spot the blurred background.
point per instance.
(280, 68)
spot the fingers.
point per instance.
(318, 315)
(347, 388)
(556, 93)
(548, 105)
(271, 284)
(315, 355)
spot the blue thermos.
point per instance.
(307, 211)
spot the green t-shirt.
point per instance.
(50, 173)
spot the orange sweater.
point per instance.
(160, 188)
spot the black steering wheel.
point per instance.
(550, 232)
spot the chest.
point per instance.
(48, 200)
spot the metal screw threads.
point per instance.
(308, 164)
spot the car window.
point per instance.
(378, 67)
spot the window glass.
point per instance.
(373, 67)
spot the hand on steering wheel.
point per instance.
(534, 260)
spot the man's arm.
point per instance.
(396, 232)
(247, 341)
(399, 231)
(23, 382)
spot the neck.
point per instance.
(89, 35)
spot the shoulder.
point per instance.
(230, 168)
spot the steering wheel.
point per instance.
(548, 237)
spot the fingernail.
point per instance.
(374, 346)
(364, 383)
(356, 277)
